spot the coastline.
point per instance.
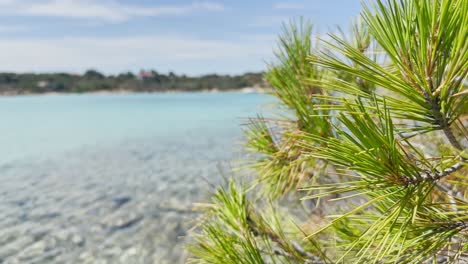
(246, 90)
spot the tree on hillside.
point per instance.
(93, 75)
(371, 135)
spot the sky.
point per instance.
(192, 37)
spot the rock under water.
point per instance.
(106, 205)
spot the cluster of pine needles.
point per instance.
(370, 135)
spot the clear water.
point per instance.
(38, 126)
(111, 178)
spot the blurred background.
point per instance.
(117, 116)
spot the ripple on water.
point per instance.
(129, 203)
(109, 178)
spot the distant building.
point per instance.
(143, 75)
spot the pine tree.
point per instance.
(371, 133)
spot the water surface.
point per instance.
(111, 178)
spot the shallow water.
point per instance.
(111, 178)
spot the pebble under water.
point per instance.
(125, 200)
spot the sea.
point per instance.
(112, 178)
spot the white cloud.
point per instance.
(8, 2)
(118, 54)
(288, 6)
(12, 28)
(106, 10)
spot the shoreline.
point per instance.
(245, 90)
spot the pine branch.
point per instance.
(302, 251)
(434, 177)
(452, 139)
(439, 175)
(345, 102)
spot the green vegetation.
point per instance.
(366, 161)
(145, 81)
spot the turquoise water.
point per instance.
(43, 126)
(112, 178)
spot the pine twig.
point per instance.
(439, 175)
(452, 139)
(304, 252)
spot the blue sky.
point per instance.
(184, 36)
